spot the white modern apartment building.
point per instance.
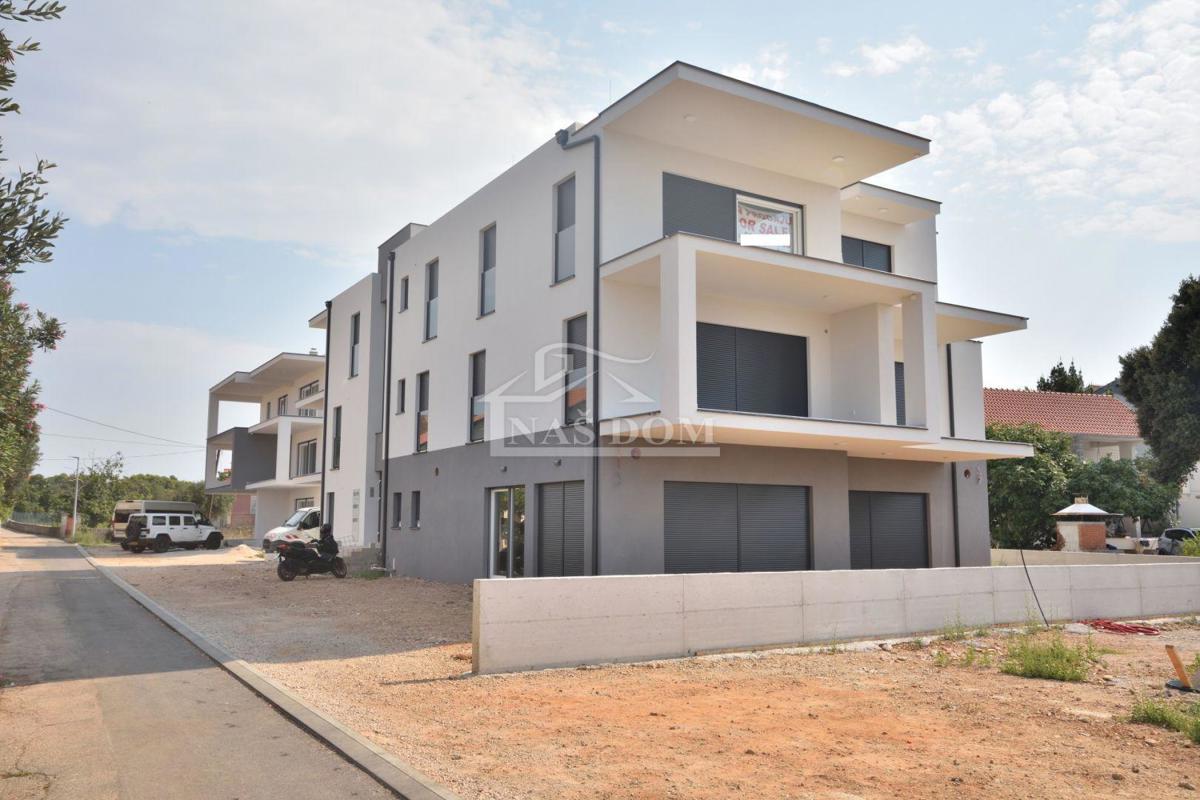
(685, 336)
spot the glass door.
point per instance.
(506, 545)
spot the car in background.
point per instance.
(161, 532)
(126, 508)
(1170, 543)
(304, 525)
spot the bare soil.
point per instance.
(388, 657)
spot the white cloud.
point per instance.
(968, 53)
(278, 121)
(769, 68)
(885, 58)
(620, 29)
(1120, 137)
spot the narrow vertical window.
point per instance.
(575, 399)
(397, 508)
(422, 412)
(281, 406)
(355, 337)
(400, 391)
(336, 460)
(476, 417)
(431, 299)
(415, 513)
(328, 511)
(404, 293)
(487, 270)
(564, 230)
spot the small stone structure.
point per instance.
(1082, 527)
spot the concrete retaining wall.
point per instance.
(40, 530)
(531, 623)
(1012, 558)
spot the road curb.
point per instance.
(394, 774)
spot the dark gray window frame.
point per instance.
(414, 510)
(484, 269)
(281, 406)
(475, 395)
(861, 262)
(403, 303)
(335, 459)
(556, 276)
(572, 352)
(299, 447)
(422, 411)
(432, 292)
(401, 391)
(397, 510)
(355, 342)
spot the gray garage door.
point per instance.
(888, 530)
(560, 528)
(727, 527)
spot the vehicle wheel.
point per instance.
(189, 546)
(138, 548)
(339, 568)
(213, 542)
(125, 545)
(285, 572)
(162, 543)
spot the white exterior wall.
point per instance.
(530, 312)
(1189, 501)
(914, 246)
(292, 390)
(360, 415)
(273, 506)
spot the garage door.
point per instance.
(560, 528)
(727, 527)
(888, 530)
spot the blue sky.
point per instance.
(228, 166)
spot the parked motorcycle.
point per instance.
(300, 558)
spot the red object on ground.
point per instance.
(1121, 627)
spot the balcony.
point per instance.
(252, 458)
(840, 329)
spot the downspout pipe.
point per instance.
(325, 408)
(953, 464)
(563, 137)
(384, 526)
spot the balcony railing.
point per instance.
(309, 389)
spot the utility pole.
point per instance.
(75, 505)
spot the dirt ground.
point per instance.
(388, 657)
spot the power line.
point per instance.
(123, 456)
(95, 439)
(123, 430)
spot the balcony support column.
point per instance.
(677, 326)
(863, 348)
(214, 414)
(922, 395)
(283, 450)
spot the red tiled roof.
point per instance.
(1097, 414)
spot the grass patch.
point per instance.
(90, 537)
(955, 631)
(941, 659)
(1184, 718)
(370, 574)
(1049, 657)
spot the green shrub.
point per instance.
(1049, 657)
(1190, 547)
(1175, 717)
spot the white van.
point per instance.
(126, 508)
(161, 531)
(304, 525)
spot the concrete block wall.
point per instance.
(533, 623)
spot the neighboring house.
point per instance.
(685, 336)
(281, 460)
(1100, 425)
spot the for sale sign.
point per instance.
(765, 226)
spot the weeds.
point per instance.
(1175, 717)
(955, 631)
(941, 659)
(370, 574)
(1194, 667)
(1050, 658)
(90, 537)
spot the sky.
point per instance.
(227, 167)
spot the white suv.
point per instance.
(304, 525)
(161, 531)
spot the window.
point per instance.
(401, 388)
(758, 372)
(328, 510)
(158, 521)
(487, 270)
(862, 253)
(303, 502)
(564, 230)
(431, 299)
(575, 399)
(174, 520)
(476, 411)
(506, 511)
(281, 406)
(762, 223)
(309, 389)
(336, 460)
(306, 458)
(422, 412)
(266, 411)
(397, 508)
(404, 294)
(416, 510)
(188, 519)
(354, 340)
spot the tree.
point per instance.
(1062, 379)
(1163, 380)
(1124, 487)
(27, 234)
(99, 490)
(1023, 493)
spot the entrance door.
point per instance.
(506, 532)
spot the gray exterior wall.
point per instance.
(253, 458)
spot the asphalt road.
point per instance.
(98, 700)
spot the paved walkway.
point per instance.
(98, 700)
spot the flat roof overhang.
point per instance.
(248, 387)
(272, 425)
(887, 205)
(288, 483)
(856, 439)
(959, 323)
(706, 112)
(320, 319)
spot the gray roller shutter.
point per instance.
(716, 370)
(700, 524)
(573, 528)
(860, 530)
(773, 529)
(694, 206)
(560, 529)
(888, 530)
(900, 413)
